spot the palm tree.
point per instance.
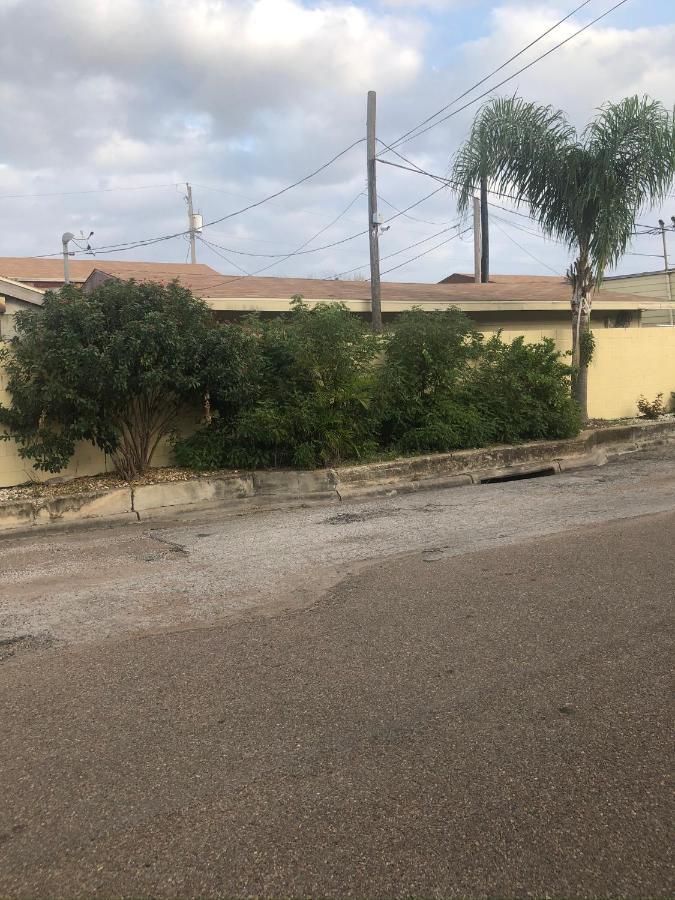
(586, 189)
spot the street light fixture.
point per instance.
(66, 238)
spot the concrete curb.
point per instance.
(269, 489)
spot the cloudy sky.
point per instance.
(109, 106)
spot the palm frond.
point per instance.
(588, 190)
(631, 152)
(514, 143)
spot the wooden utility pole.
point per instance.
(477, 248)
(669, 290)
(191, 224)
(373, 222)
(484, 233)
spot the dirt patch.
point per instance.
(635, 420)
(50, 490)
(351, 518)
(10, 646)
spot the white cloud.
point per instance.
(435, 5)
(247, 95)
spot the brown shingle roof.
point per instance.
(466, 278)
(51, 270)
(321, 289)
(205, 282)
(192, 277)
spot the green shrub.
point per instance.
(448, 426)
(311, 404)
(112, 368)
(522, 391)
(652, 409)
(427, 357)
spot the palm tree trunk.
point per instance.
(581, 393)
(581, 325)
(485, 233)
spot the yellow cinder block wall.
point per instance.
(628, 362)
(88, 460)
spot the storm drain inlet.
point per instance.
(519, 476)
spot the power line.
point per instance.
(525, 250)
(529, 65)
(418, 170)
(412, 218)
(426, 252)
(569, 15)
(142, 187)
(398, 252)
(214, 248)
(514, 212)
(219, 190)
(334, 244)
(448, 182)
(301, 251)
(537, 234)
(290, 253)
(131, 245)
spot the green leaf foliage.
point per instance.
(426, 360)
(587, 188)
(521, 391)
(309, 389)
(442, 387)
(328, 391)
(313, 373)
(112, 368)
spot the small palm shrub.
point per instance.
(653, 409)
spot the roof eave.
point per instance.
(19, 291)
(274, 304)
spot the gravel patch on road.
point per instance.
(104, 582)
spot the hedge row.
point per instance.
(309, 389)
(317, 388)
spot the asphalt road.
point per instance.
(461, 693)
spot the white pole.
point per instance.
(66, 238)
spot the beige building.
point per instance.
(658, 285)
(15, 296)
(509, 302)
(630, 359)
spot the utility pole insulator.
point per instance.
(374, 220)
